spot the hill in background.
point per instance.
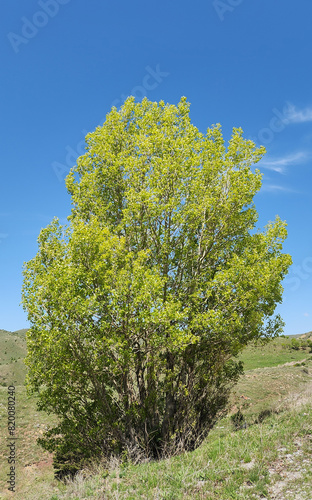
(13, 350)
(12, 354)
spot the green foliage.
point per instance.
(295, 344)
(138, 307)
(238, 420)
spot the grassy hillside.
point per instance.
(12, 354)
(268, 454)
(276, 352)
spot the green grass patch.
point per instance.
(277, 352)
(12, 354)
(231, 465)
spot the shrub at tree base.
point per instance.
(139, 307)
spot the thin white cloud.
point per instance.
(306, 314)
(295, 115)
(280, 164)
(276, 188)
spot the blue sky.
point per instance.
(239, 63)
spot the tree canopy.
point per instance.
(139, 307)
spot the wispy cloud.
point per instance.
(296, 115)
(277, 188)
(280, 164)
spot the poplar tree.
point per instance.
(140, 306)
